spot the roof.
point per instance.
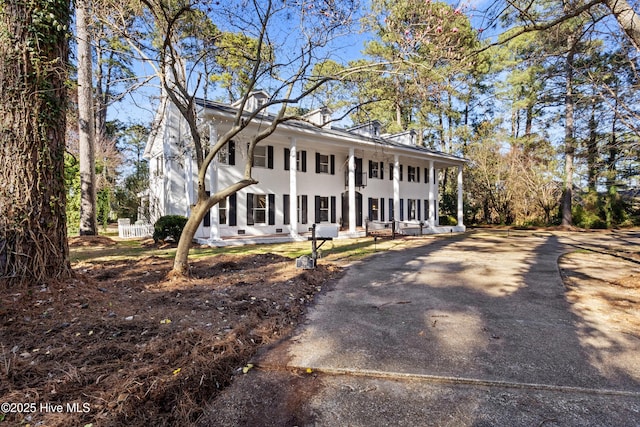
(345, 134)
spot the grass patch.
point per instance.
(343, 250)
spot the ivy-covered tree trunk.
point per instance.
(33, 74)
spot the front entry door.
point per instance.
(345, 209)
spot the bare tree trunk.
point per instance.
(570, 148)
(100, 98)
(204, 203)
(33, 102)
(592, 150)
(86, 126)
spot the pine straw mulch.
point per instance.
(130, 347)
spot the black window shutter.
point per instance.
(303, 160)
(426, 209)
(317, 162)
(317, 206)
(232, 216)
(391, 213)
(333, 164)
(370, 168)
(285, 209)
(250, 209)
(426, 175)
(381, 209)
(206, 221)
(272, 209)
(333, 209)
(417, 174)
(270, 156)
(287, 153)
(370, 208)
(401, 209)
(303, 210)
(418, 209)
(401, 176)
(232, 152)
(381, 170)
(391, 171)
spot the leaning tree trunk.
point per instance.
(33, 101)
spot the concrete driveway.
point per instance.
(471, 330)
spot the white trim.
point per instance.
(293, 188)
(352, 190)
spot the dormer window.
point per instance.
(256, 100)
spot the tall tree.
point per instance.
(569, 138)
(189, 39)
(33, 102)
(86, 122)
(424, 54)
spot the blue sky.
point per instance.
(140, 106)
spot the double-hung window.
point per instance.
(412, 174)
(259, 209)
(227, 154)
(263, 156)
(374, 209)
(222, 211)
(414, 212)
(373, 169)
(301, 160)
(260, 156)
(376, 169)
(324, 209)
(323, 163)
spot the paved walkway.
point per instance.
(470, 330)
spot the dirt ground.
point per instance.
(122, 345)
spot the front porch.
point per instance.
(402, 229)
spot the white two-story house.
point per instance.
(307, 171)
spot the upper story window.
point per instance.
(325, 163)
(376, 169)
(159, 165)
(301, 160)
(260, 156)
(227, 154)
(413, 174)
(263, 156)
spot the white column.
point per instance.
(396, 187)
(460, 201)
(436, 202)
(432, 216)
(214, 232)
(293, 189)
(352, 190)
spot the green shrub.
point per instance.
(169, 226)
(448, 220)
